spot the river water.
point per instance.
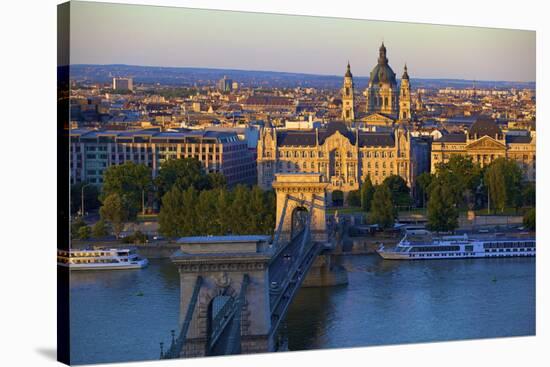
(123, 315)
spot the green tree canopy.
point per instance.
(529, 194)
(530, 220)
(367, 192)
(115, 212)
(462, 176)
(399, 190)
(100, 229)
(503, 178)
(170, 217)
(382, 210)
(76, 225)
(423, 182)
(183, 173)
(442, 211)
(128, 181)
(354, 198)
(84, 232)
(216, 180)
(242, 210)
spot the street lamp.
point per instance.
(143, 202)
(82, 199)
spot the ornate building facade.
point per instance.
(484, 142)
(343, 156)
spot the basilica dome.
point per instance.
(382, 72)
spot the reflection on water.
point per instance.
(391, 302)
(123, 315)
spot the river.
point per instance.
(123, 315)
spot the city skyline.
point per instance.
(268, 42)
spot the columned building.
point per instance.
(344, 156)
(348, 102)
(485, 142)
(93, 151)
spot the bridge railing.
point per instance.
(177, 343)
(306, 237)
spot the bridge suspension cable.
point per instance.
(233, 345)
(177, 344)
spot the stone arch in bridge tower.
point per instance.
(221, 263)
(300, 190)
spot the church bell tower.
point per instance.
(405, 97)
(348, 111)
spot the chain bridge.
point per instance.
(235, 291)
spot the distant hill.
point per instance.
(188, 76)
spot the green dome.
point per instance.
(382, 72)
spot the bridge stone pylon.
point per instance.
(222, 263)
(297, 191)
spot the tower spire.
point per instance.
(405, 73)
(348, 71)
(382, 59)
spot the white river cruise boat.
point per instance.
(101, 259)
(414, 247)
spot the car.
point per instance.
(158, 237)
(274, 286)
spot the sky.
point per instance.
(103, 33)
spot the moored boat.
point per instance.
(101, 259)
(424, 247)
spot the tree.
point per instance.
(240, 214)
(182, 173)
(269, 210)
(529, 194)
(216, 180)
(354, 198)
(189, 215)
(129, 181)
(206, 213)
(423, 182)
(100, 229)
(399, 190)
(442, 211)
(223, 211)
(382, 210)
(115, 212)
(84, 232)
(529, 219)
(462, 176)
(76, 225)
(503, 180)
(257, 210)
(367, 192)
(170, 216)
(135, 238)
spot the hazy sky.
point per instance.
(165, 36)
